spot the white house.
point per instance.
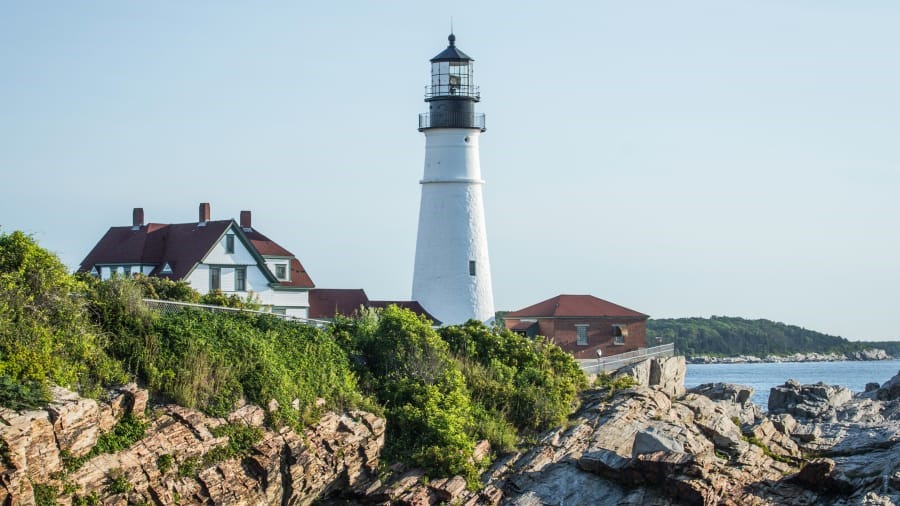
(209, 255)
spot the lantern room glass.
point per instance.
(453, 78)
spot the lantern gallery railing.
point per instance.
(452, 90)
(451, 120)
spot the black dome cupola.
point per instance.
(452, 94)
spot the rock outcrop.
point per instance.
(651, 443)
(166, 466)
(711, 445)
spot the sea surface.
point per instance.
(762, 377)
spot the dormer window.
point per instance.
(281, 271)
(167, 269)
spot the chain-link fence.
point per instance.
(169, 306)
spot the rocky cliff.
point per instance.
(656, 444)
(166, 465)
(639, 441)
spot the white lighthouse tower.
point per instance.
(452, 277)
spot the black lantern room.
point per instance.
(452, 94)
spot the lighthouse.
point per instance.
(452, 276)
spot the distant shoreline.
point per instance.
(860, 356)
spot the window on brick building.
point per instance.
(581, 335)
(620, 332)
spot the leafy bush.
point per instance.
(532, 382)
(206, 360)
(164, 463)
(45, 335)
(404, 363)
(241, 438)
(45, 495)
(117, 483)
(22, 395)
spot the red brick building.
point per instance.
(582, 324)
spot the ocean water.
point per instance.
(762, 377)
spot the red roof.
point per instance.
(182, 246)
(574, 306)
(328, 302)
(265, 246)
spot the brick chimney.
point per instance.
(245, 221)
(137, 218)
(204, 213)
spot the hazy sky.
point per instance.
(687, 158)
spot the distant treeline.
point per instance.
(729, 336)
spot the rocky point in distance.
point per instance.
(865, 355)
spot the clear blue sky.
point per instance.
(687, 158)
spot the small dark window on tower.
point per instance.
(229, 243)
(471, 267)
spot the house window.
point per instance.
(279, 311)
(229, 243)
(581, 334)
(127, 270)
(215, 278)
(471, 267)
(620, 332)
(240, 279)
(281, 271)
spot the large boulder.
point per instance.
(77, 421)
(890, 390)
(818, 401)
(665, 374)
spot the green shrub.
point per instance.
(164, 463)
(45, 495)
(189, 467)
(532, 382)
(209, 361)
(22, 395)
(241, 438)
(403, 362)
(117, 483)
(45, 335)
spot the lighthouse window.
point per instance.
(471, 267)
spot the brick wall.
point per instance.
(562, 331)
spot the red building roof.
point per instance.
(574, 306)
(327, 302)
(182, 246)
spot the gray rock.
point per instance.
(890, 390)
(667, 373)
(738, 394)
(652, 440)
(808, 401)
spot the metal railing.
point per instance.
(451, 120)
(615, 362)
(446, 90)
(169, 306)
